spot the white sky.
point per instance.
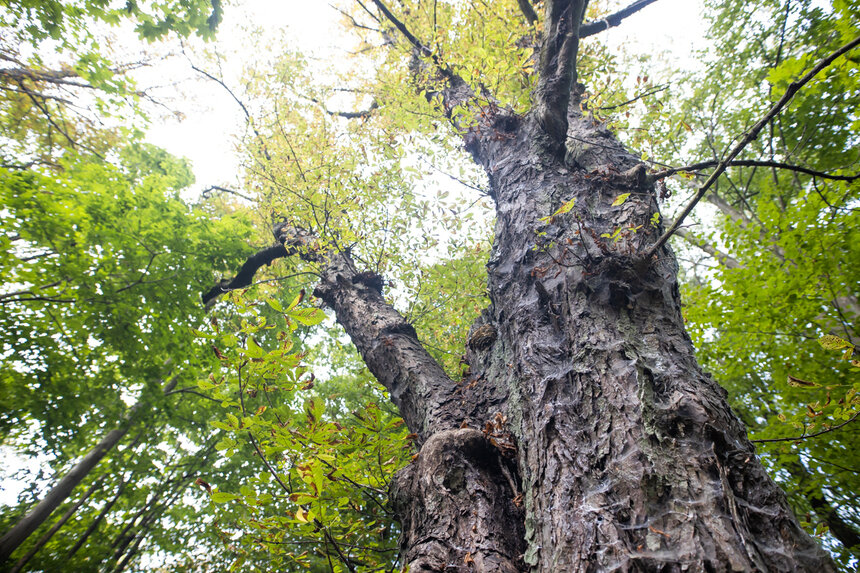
(212, 119)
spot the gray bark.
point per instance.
(586, 437)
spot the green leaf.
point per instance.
(224, 497)
(832, 342)
(620, 199)
(307, 316)
(297, 300)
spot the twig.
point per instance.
(658, 89)
(250, 121)
(750, 135)
(807, 436)
(208, 192)
(751, 163)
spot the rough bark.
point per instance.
(586, 437)
(629, 455)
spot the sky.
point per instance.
(212, 119)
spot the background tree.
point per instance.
(777, 272)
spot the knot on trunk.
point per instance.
(456, 506)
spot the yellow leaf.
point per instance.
(620, 199)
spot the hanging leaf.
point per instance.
(798, 383)
(296, 301)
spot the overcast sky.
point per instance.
(212, 119)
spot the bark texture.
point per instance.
(586, 437)
(604, 447)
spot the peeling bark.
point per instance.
(457, 507)
(586, 437)
(628, 457)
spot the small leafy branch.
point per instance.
(845, 408)
(316, 492)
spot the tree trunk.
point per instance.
(587, 437)
(99, 518)
(55, 528)
(19, 532)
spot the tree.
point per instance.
(93, 318)
(583, 435)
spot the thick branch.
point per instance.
(557, 68)
(426, 397)
(591, 28)
(245, 276)
(527, 10)
(750, 136)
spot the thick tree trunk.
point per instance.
(587, 438)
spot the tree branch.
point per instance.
(528, 11)
(423, 50)
(557, 66)
(807, 436)
(657, 89)
(426, 397)
(245, 276)
(751, 163)
(707, 247)
(591, 28)
(750, 135)
(206, 193)
(248, 117)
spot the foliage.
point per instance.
(785, 241)
(104, 265)
(324, 450)
(103, 268)
(61, 86)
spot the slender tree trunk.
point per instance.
(19, 532)
(13, 538)
(95, 523)
(55, 528)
